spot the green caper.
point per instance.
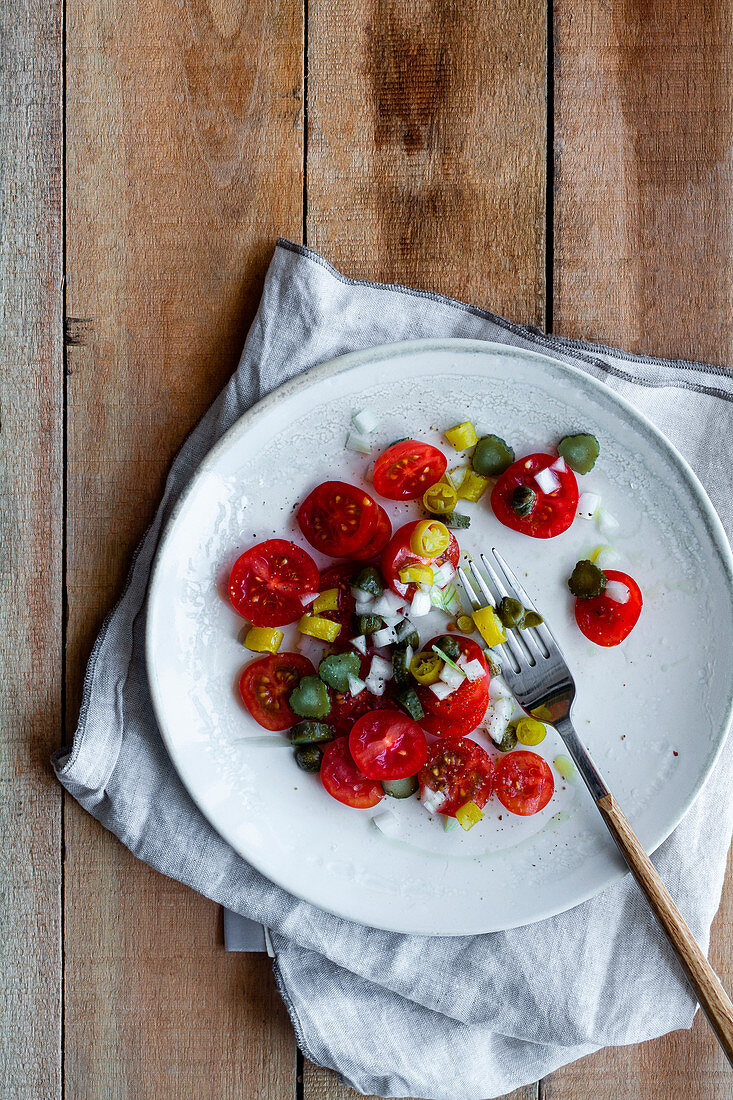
(508, 739)
(309, 758)
(492, 456)
(368, 624)
(369, 580)
(579, 451)
(511, 612)
(524, 499)
(450, 646)
(587, 580)
(531, 618)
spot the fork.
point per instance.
(537, 674)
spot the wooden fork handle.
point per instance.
(713, 999)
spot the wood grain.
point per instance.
(644, 119)
(426, 145)
(322, 1084)
(31, 509)
(184, 129)
(643, 116)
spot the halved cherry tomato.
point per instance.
(386, 744)
(398, 554)
(523, 782)
(267, 581)
(343, 780)
(606, 622)
(466, 705)
(406, 469)
(338, 519)
(265, 686)
(552, 513)
(380, 538)
(462, 771)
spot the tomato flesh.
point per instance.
(406, 469)
(338, 519)
(340, 577)
(462, 771)
(552, 514)
(343, 780)
(463, 709)
(386, 744)
(606, 622)
(265, 686)
(267, 581)
(398, 555)
(523, 782)
(380, 538)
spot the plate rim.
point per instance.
(349, 361)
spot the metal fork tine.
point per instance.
(511, 646)
(543, 631)
(509, 667)
(524, 636)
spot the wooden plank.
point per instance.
(642, 241)
(31, 509)
(426, 166)
(184, 161)
(322, 1084)
(426, 145)
(644, 108)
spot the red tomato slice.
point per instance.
(398, 555)
(343, 780)
(461, 770)
(523, 782)
(606, 622)
(340, 577)
(464, 706)
(265, 685)
(347, 708)
(380, 538)
(552, 514)
(267, 581)
(406, 469)
(338, 519)
(386, 744)
(457, 727)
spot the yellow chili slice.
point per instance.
(430, 539)
(425, 667)
(440, 498)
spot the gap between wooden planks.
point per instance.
(426, 165)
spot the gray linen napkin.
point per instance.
(396, 1015)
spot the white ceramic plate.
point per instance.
(653, 711)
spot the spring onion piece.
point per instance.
(441, 690)
(447, 599)
(462, 436)
(472, 487)
(547, 480)
(365, 421)
(387, 823)
(607, 524)
(380, 668)
(490, 626)
(587, 505)
(326, 601)
(417, 574)
(356, 685)
(447, 659)
(315, 627)
(443, 576)
(431, 799)
(617, 591)
(564, 766)
(430, 539)
(474, 670)
(453, 677)
(449, 824)
(359, 644)
(358, 443)
(263, 639)
(421, 604)
(468, 815)
(440, 498)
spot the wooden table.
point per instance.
(567, 168)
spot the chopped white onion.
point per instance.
(387, 604)
(356, 685)
(547, 480)
(358, 443)
(587, 505)
(444, 575)
(617, 591)
(386, 636)
(310, 648)
(421, 604)
(392, 620)
(401, 588)
(560, 465)
(380, 668)
(404, 630)
(499, 715)
(363, 608)
(361, 596)
(606, 558)
(431, 799)
(607, 524)
(309, 598)
(375, 685)
(365, 421)
(424, 587)
(359, 643)
(441, 690)
(453, 677)
(474, 669)
(387, 822)
(498, 689)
